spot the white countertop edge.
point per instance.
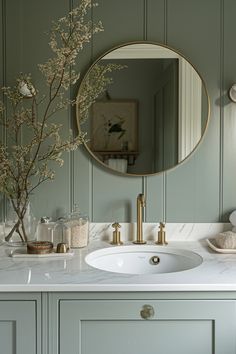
(117, 287)
(215, 274)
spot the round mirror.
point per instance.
(144, 108)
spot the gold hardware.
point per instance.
(62, 248)
(116, 234)
(161, 235)
(141, 203)
(147, 312)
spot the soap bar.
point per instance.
(226, 239)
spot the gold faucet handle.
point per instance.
(116, 234)
(116, 226)
(162, 226)
(161, 235)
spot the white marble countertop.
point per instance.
(216, 273)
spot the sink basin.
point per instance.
(143, 259)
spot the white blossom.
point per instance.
(34, 140)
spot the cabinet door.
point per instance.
(17, 327)
(177, 326)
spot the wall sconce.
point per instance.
(232, 93)
(26, 89)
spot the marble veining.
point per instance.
(174, 231)
(216, 273)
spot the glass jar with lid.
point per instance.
(79, 229)
(45, 229)
(61, 232)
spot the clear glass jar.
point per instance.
(79, 226)
(61, 232)
(45, 229)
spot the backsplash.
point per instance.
(202, 189)
(174, 231)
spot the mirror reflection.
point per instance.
(144, 108)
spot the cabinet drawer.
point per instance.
(147, 326)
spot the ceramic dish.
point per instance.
(212, 244)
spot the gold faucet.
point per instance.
(141, 203)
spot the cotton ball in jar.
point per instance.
(79, 229)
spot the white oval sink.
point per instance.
(143, 259)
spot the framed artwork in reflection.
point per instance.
(114, 126)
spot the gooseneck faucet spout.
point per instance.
(141, 203)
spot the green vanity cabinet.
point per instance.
(117, 323)
(19, 330)
(116, 326)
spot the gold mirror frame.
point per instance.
(78, 117)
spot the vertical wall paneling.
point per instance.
(82, 166)
(2, 45)
(144, 179)
(145, 15)
(156, 20)
(115, 196)
(27, 24)
(165, 173)
(83, 181)
(11, 49)
(229, 110)
(221, 179)
(72, 126)
(2, 80)
(193, 187)
(156, 29)
(202, 189)
(122, 20)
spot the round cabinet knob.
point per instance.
(147, 312)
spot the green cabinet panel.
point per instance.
(18, 327)
(177, 326)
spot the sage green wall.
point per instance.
(202, 189)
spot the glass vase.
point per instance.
(18, 231)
